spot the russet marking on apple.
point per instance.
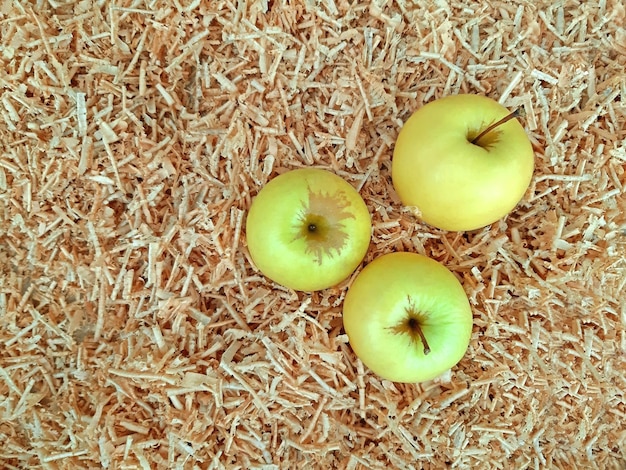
(320, 223)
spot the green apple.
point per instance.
(308, 229)
(407, 317)
(462, 162)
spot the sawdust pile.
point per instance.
(136, 333)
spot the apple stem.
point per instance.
(418, 328)
(517, 113)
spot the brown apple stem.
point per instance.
(418, 328)
(517, 113)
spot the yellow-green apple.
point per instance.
(462, 162)
(308, 229)
(407, 317)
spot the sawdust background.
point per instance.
(136, 333)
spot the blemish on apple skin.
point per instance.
(321, 223)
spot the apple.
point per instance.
(308, 229)
(407, 317)
(462, 162)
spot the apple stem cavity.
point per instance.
(519, 112)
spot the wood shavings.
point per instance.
(134, 330)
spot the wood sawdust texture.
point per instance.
(135, 332)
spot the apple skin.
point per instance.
(380, 299)
(283, 247)
(456, 185)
